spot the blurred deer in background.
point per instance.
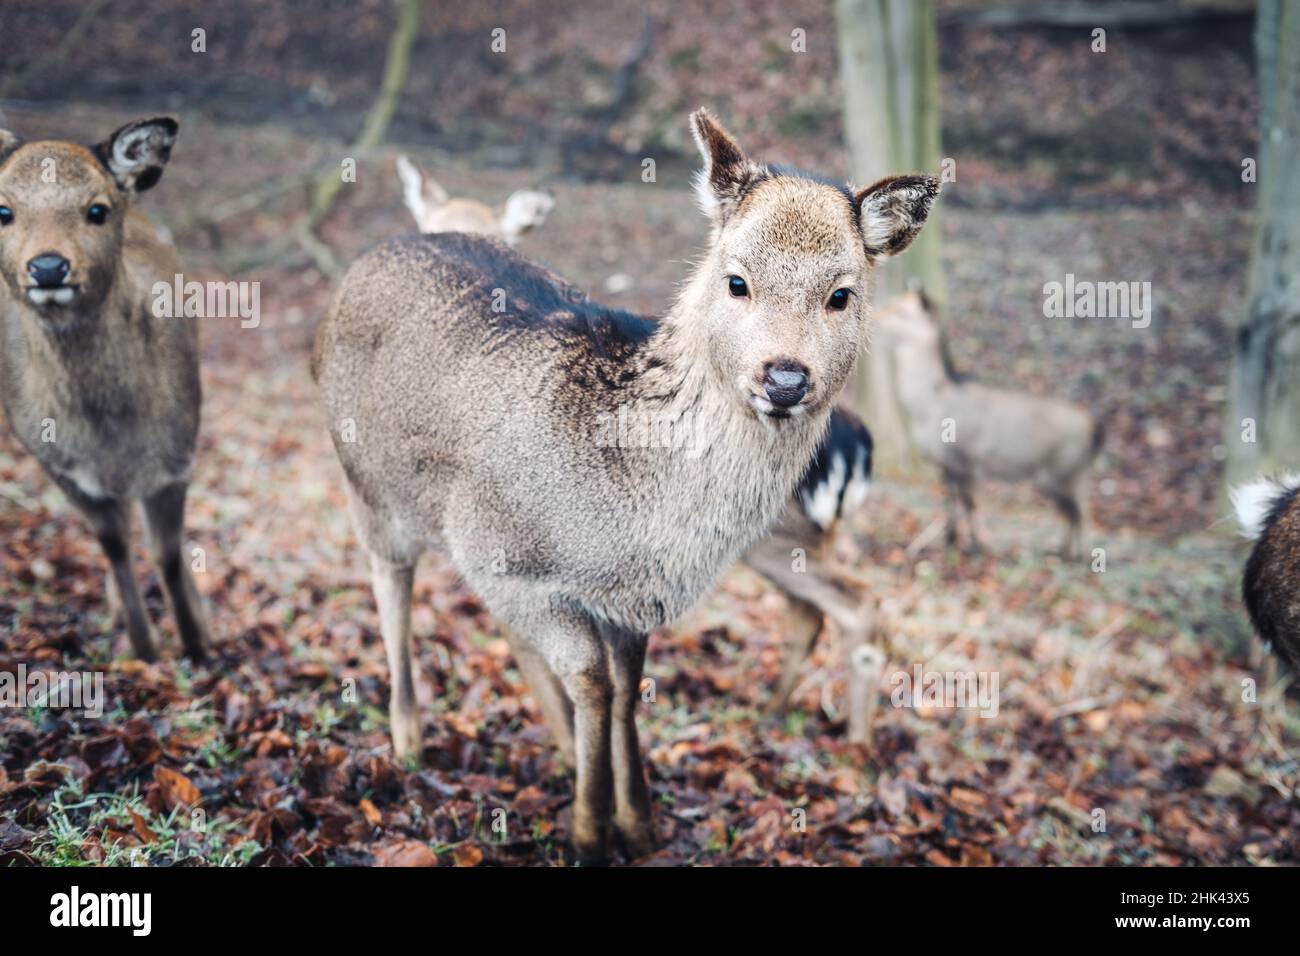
(974, 432)
(435, 211)
(483, 432)
(798, 557)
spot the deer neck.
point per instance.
(919, 374)
(730, 470)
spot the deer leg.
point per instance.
(865, 662)
(591, 692)
(806, 621)
(1069, 508)
(951, 497)
(1082, 518)
(549, 693)
(392, 584)
(966, 492)
(116, 612)
(632, 815)
(111, 520)
(820, 590)
(165, 518)
(570, 643)
(773, 558)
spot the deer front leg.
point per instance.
(111, 520)
(951, 498)
(165, 517)
(632, 814)
(592, 796)
(392, 584)
(966, 494)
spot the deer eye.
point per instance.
(736, 286)
(6, 215)
(839, 300)
(97, 214)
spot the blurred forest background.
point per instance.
(1121, 690)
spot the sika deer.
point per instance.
(834, 485)
(101, 391)
(973, 431)
(469, 393)
(1268, 511)
(435, 211)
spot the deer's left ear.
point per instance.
(8, 143)
(726, 171)
(893, 210)
(137, 153)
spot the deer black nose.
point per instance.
(48, 270)
(786, 383)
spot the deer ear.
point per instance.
(8, 143)
(137, 153)
(726, 170)
(893, 210)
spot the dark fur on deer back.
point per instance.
(1271, 583)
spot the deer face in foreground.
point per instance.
(63, 209)
(786, 306)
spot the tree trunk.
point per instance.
(1263, 426)
(396, 67)
(890, 72)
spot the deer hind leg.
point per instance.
(557, 709)
(392, 583)
(110, 518)
(823, 590)
(951, 501)
(806, 623)
(165, 517)
(1068, 505)
(632, 814)
(773, 558)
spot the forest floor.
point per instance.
(1125, 732)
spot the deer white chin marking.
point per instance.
(60, 296)
(771, 410)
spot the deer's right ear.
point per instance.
(137, 153)
(893, 210)
(8, 143)
(726, 171)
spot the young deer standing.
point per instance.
(1268, 511)
(478, 388)
(973, 431)
(102, 392)
(835, 485)
(435, 211)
